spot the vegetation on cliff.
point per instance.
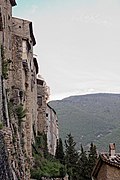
(78, 165)
(45, 165)
(60, 152)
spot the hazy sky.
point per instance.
(78, 44)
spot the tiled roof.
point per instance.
(105, 158)
(112, 160)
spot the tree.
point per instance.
(92, 158)
(83, 166)
(71, 156)
(59, 151)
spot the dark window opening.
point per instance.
(39, 100)
(40, 82)
(8, 17)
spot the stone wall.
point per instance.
(5, 170)
(102, 173)
(17, 90)
(113, 173)
(24, 78)
(23, 98)
(42, 105)
(108, 172)
(5, 43)
(1, 114)
(52, 129)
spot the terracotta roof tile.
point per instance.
(112, 160)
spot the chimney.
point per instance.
(112, 150)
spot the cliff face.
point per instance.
(18, 94)
(23, 98)
(5, 170)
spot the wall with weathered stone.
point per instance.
(18, 89)
(108, 172)
(5, 170)
(102, 173)
(5, 43)
(42, 105)
(113, 173)
(52, 129)
(1, 105)
(34, 71)
(24, 76)
(23, 98)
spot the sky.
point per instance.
(78, 44)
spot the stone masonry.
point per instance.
(52, 129)
(18, 91)
(23, 96)
(42, 97)
(5, 171)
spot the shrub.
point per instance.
(21, 113)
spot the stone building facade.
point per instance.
(108, 166)
(52, 129)
(6, 161)
(42, 98)
(18, 92)
(23, 96)
(5, 43)
(23, 76)
(47, 118)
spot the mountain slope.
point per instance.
(90, 118)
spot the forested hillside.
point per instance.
(90, 118)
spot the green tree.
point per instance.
(83, 166)
(92, 158)
(71, 156)
(59, 151)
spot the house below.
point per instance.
(108, 165)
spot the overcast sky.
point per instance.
(78, 44)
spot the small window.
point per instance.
(40, 82)
(39, 100)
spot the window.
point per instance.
(8, 17)
(39, 100)
(40, 82)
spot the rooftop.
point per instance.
(114, 161)
(108, 160)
